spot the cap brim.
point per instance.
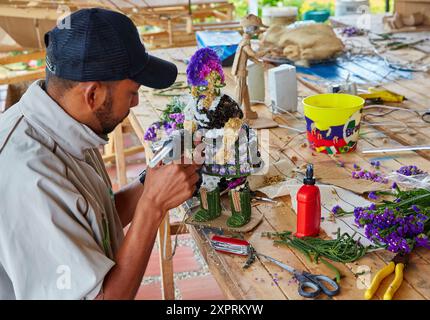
(157, 74)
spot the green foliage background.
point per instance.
(376, 6)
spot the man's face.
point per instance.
(121, 96)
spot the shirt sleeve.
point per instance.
(47, 246)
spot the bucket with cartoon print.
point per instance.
(333, 121)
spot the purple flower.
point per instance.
(372, 195)
(336, 210)
(409, 170)
(150, 134)
(356, 167)
(178, 117)
(202, 63)
(169, 127)
(394, 186)
(376, 164)
(422, 241)
(236, 182)
(367, 175)
(415, 208)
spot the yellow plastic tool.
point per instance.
(384, 95)
(397, 264)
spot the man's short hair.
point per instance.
(56, 83)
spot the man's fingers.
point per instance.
(191, 169)
(194, 178)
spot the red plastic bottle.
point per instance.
(308, 206)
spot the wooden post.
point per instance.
(120, 156)
(164, 231)
(166, 263)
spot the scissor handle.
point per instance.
(308, 288)
(316, 284)
(324, 282)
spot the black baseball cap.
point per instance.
(104, 45)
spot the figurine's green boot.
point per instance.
(240, 203)
(210, 205)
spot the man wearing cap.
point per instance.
(61, 226)
(251, 25)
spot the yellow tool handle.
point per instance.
(398, 279)
(385, 271)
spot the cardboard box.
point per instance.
(224, 43)
(406, 7)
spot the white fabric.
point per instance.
(56, 199)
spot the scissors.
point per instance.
(310, 285)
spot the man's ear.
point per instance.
(94, 94)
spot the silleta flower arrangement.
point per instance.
(399, 224)
(230, 146)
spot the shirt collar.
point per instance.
(72, 136)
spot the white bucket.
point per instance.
(279, 15)
(349, 7)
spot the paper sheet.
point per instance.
(347, 200)
(330, 196)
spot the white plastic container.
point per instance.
(279, 15)
(282, 84)
(350, 7)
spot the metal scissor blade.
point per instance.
(160, 155)
(279, 263)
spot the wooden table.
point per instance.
(257, 281)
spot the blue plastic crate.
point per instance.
(224, 43)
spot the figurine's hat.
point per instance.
(251, 20)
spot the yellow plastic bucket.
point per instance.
(333, 121)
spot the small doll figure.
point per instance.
(230, 146)
(251, 25)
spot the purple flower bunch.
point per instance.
(171, 119)
(368, 175)
(409, 170)
(203, 62)
(351, 31)
(151, 132)
(168, 126)
(177, 117)
(399, 230)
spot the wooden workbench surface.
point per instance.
(257, 281)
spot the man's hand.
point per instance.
(170, 185)
(166, 187)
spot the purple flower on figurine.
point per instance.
(169, 127)
(232, 170)
(150, 134)
(178, 117)
(222, 170)
(236, 182)
(202, 63)
(215, 168)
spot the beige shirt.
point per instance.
(59, 229)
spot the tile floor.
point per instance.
(192, 278)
